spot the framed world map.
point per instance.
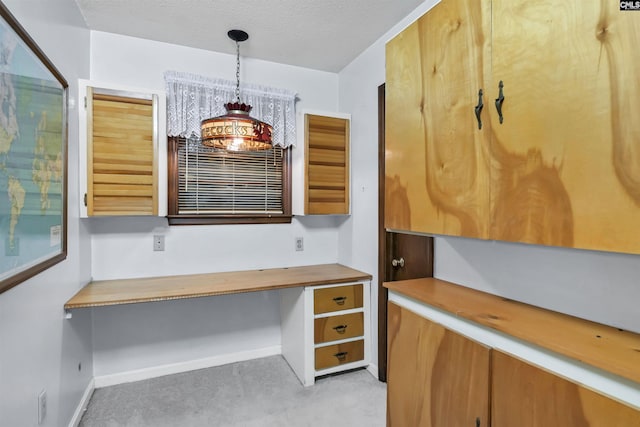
(33, 157)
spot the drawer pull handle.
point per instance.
(341, 329)
(340, 300)
(341, 356)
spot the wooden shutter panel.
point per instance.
(327, 163)
(121, 166)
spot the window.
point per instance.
(219, 187)
(208, 186)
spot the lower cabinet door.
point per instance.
(339, 354)
(435, 377)
(524, 395)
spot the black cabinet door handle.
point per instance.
(500, 100)
(478, 109)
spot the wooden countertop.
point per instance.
(128, 291)
(611, 349)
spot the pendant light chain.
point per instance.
(236, 130)
(238, 71)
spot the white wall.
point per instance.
(598, 286)
(126, 338)
(358, 95)
(39, 349)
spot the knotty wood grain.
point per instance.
(437, 160)
(435, 377)
(128, 291)
(526, 396)
(562, 169)
(604, 347)
(546, 153)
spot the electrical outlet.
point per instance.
(158, 242)
(299, 244)
(42, 406)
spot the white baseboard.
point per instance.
(82, 405)
(191, 365)
(373, 370)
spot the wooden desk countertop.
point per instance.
(129, 291)
(611, 349)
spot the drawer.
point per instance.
(337, 298)
(339, 354)
(335, 328)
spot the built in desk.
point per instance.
(315, 342)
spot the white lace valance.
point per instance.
(192, 98)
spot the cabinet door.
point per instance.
(121, 153)
(436, 157)
(526, 396)
(566, 158)
(327, 164)
(435, 377)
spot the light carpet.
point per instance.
(257, 393)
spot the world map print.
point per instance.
(32, 134)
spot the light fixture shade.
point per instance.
(236, 130)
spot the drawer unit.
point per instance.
(337, 298)
(340, 327)
(326, 328)
(339, 354)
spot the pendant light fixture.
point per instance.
(236, 130)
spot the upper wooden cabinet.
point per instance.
(437, 175)
(566, 160)
(560, 167)
(121, 146)
(326, 165)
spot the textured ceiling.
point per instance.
(320, 34)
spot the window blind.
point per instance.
(220, 182)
